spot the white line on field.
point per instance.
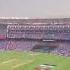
(8, 61)
(34, 54)
(18, 65)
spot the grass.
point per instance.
(10, 60)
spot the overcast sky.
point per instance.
(35, 8)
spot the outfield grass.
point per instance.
(28, 61)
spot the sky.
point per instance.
(35, 8)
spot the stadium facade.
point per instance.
(45, 29)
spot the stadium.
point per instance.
(28, 43)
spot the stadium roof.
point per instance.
(21, 20)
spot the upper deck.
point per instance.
(36, 28)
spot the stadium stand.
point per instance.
(28, 34)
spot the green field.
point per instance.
(28, 61)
